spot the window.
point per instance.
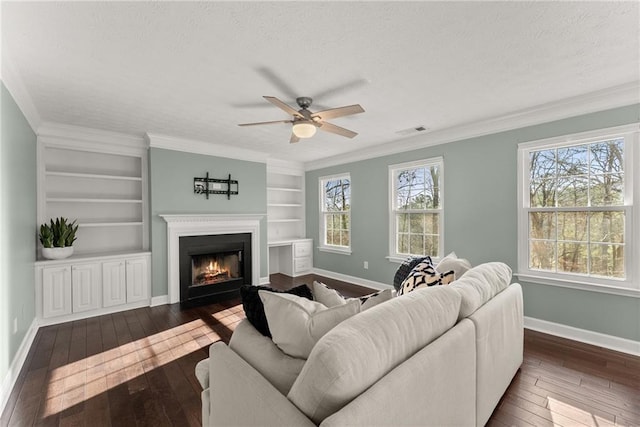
(416, 209)
(576, 215)
(335, 213)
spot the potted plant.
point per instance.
(57, 238)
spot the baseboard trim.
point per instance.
(351, 279)
(582, 335)
(10, 378)
(265, 280)
(160, 300)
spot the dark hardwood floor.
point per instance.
(136, 368)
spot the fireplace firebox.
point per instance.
(213, 267)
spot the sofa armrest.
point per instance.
(239, 395)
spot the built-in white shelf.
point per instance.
(93, 176)
(284, 220)
(110, 224)
(285, 205)
(86, 200)
(295, 190)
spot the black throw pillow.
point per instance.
(254, 310)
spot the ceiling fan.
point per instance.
(305, 123)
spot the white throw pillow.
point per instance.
(327, 296)
(331, 298)
(452, 262)
(296, 323)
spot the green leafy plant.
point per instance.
(58, 234)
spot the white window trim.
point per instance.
(627, 287)
(393, 255)
(323, 247)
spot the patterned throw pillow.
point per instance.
(425, 274)
(405, 268)
(254, 308)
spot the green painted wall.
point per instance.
(171, 189)
(480, 220)
(17, 228)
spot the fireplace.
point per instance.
(213, 267)
(183, 225)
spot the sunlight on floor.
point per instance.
(563, 413)
(84, 379)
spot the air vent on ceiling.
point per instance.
(413, 130)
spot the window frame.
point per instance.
(393, 170)
(323, 246)
(630, 284)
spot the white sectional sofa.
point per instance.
(442, 355)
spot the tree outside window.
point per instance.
(417, 208)
(336, 211)
(576, 209)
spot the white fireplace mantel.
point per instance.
(203, 225)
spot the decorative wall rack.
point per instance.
(208, 186)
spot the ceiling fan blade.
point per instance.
(265, 123)
(339, 112)
(284, 107)
(341, 88)
(294, 139)
(278, 82)
(328, 127)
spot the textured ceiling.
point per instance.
(196, 70)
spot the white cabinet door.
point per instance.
(85, 280)
(114, 285)
(56, 291)
(137, 280)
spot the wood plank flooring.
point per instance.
(136, 368)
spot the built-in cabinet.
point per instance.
(290, 252)
(293, 258)
(98, 179)
(83, 287)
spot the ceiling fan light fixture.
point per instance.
(304, 129)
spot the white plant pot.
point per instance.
(57, 253)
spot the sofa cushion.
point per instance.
(280, 369)
(362, 349)
(452, 262)
(254, 309)
(480, 284)
(405, 268)
(331, 298)
(425, 274)
(296, 323)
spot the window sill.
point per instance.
(335, 250)
(574, 284)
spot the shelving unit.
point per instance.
(290, 252)
(102, 188)
(100, 180)
(285, 205)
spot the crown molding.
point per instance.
(14, 84)
(286, 167)
(617, 96)
(201, 147)
(89, 139)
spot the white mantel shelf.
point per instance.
(181, 225)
